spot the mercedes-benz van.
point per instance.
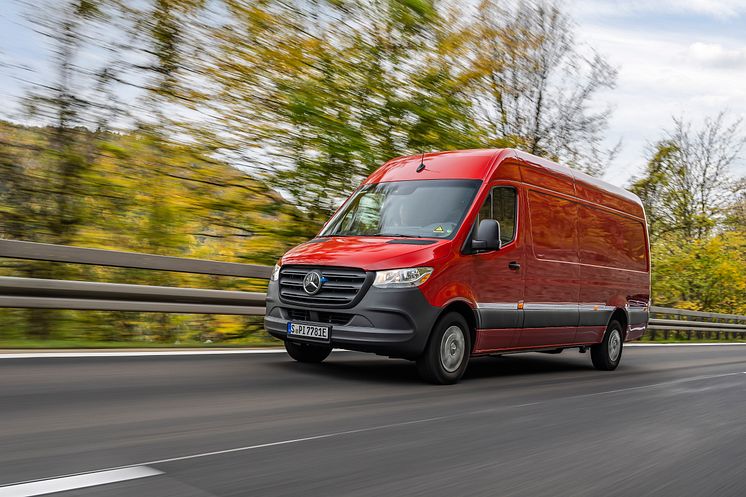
(440, 257)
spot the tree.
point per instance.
(229, 217)
(96, 177)
(53, 186)
(318, 94)
(687, 186)
(703, 275)
(694, 212)
(442, 107)
(65, 104)
(535, 86)
(735, 213)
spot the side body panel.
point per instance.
(552, 272)
(613, 270)
(585, 256)
(614, 257)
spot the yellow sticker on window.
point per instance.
(438, 229)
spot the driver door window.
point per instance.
(500, 205)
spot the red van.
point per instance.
(449, 255)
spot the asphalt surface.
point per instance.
(669, 421)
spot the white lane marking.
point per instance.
(238, 449)
(368, 429)
(653, 385)
(140, 353)
(75, 482)
(132, 353)
(303, 439)
(704, 344)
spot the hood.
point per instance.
(368, 253)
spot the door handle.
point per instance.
(514, 266)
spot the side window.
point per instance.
(500, 205)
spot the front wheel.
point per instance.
(302, 352)
(447, 353)
(607, 354)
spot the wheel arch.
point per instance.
(619, 314)
(467, 311)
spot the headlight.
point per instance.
(402, 278)
(275, 273)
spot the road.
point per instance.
(669, 421)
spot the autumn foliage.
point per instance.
(230, 130)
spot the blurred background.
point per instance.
(230, 130)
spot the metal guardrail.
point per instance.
(85, 295)
(132, 260)
(710, 325)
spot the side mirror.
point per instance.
(488, 236)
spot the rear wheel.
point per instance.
(447, 353)
(607, 354)
(303, 352)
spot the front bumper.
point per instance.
(391, 322)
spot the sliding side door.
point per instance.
(552, 287)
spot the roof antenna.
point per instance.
(421, 167)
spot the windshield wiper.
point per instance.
(398, 235)
(389, 235)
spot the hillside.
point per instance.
(130, 192)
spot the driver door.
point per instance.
(497, 278)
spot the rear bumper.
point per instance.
(638, 322)
(391, 322)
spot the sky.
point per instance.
(21, 51)
(683, 58)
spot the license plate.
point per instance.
(309, 331)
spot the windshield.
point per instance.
(427, 208)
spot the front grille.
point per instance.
(298, 314)
(340, 288)
(318, 316)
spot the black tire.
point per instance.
(302, 352)
(605, 356)
(457, 344)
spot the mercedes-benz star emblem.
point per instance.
(312, 283)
